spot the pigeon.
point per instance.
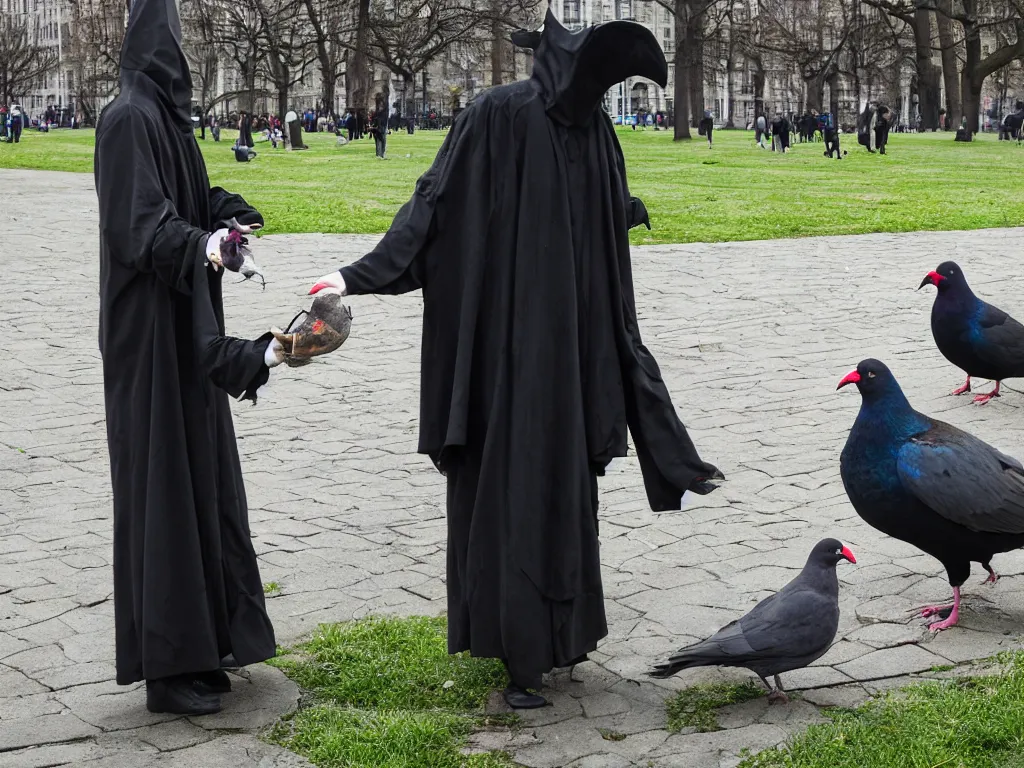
(930, 484)
(981, 339)
(785, 631)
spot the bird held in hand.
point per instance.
(785, 631)
(930, 484)
(973, 335)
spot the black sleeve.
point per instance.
(225, 206)
(234, 365)
(392, 267)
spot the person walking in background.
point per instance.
(760, 130)
(245, 130)
(17, 122)
(379, 129)
(707, 126)
(4, 117)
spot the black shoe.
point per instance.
(179, 696)
(229, 662)
(213, 682)
(520, 698)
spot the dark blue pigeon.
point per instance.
(930, 484)
(981, 339)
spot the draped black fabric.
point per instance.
(532, 363)
(187, 589)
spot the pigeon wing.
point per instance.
(790, 624)
(964, 479)
(1004, 339)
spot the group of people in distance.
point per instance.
(873, 126)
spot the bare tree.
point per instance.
(238, 33)
(1004, 19)
(22, 62)
(288, 48)
(331, 24)
(917, 16)
(950, 60)
(93, 51)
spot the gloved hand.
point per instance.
(274, 355)
(703, 485)
(329, 282)
(213, 248)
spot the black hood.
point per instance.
(152, 48)
(575, 69)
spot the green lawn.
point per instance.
(384, 693)
(974, 722)
(733, 192)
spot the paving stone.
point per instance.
(350, 520)
(47, 729)
(891, 662)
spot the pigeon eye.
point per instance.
(871, 375)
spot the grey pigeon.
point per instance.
(785, 631)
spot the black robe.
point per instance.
(532, 361)
(187, 589)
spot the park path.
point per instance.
(752, 339)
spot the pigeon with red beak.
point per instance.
(930, 484)
(973, 335)
(785, 631)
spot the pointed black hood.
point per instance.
(152, 49)
(575, 69)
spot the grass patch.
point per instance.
(732, 192)
(968, 723)
(696, 707)
(384, 692)
(271, 588)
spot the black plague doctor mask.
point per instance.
(574, 70)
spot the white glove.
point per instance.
(274, 355)
(332, 282)
(213, 248)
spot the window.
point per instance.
(571, 12)
(623, 9)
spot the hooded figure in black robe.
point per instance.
(533, 367)
(187, 590)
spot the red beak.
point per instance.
(317, 288)
(851, 378)
(849, 555)
(932, 278)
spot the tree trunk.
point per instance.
(927, 72)
(282, 97)
(759, 78)
(730, 101)
(695, 66)
(971, 82)
(833, 96)
(681, 86)
(950, 73)
(497, 44)
(357, 77)
(815, 92)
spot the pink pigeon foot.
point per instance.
(992, 578)
(965, 388)
(982, 399)
(954, 615)
(935, 610)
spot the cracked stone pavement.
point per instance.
(752, 339)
